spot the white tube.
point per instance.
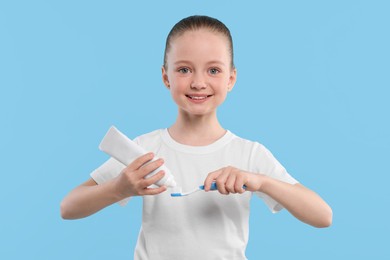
(120, 147)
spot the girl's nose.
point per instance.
(198, 82)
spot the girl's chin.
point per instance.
(197, 113)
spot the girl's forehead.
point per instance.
(202, 33)
(200, 43)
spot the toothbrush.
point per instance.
(179, 193)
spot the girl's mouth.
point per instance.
(198, 97)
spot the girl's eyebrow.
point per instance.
(181, 61)
(209, 62)
(216, 62)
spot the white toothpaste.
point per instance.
(120, 147)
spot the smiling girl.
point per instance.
(199, 72)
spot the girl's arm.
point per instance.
(88, 198)
(301, 202)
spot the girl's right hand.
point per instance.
(131, 181)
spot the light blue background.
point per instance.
(313, 86)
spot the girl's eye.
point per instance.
(214, 71)
(184, 70)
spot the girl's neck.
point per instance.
(196, 130)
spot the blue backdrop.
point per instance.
(313, 86)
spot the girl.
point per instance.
(199, 72)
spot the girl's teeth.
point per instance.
(198, 98)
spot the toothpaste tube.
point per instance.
(124, 150)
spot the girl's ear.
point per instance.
(232, 79)
(165, 77)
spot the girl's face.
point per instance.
(198, 72)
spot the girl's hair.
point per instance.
(196, 22)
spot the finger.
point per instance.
(151, 180)
(150, 167)
(230, 183)
(221, 181)
(154, 191)
(238, 186)
(137, 163)
(210, 178)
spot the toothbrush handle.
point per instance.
(214, 186)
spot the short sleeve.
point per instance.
(264, 162)
(108, 171)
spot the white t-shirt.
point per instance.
(203, 225)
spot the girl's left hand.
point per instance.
(232, 180)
